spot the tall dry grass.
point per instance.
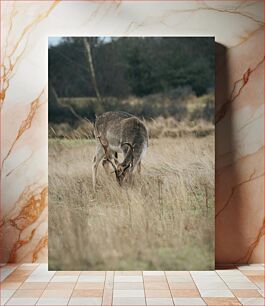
(165, 220)
(157, 128)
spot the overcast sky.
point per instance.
(53, 41)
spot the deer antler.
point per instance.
(106, 149)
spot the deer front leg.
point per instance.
(139, 168)
(96, 160)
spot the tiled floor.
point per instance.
(33, 284)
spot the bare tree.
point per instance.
(92, 70)
(54, 102)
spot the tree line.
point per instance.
(129, 66)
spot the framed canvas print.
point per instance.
(131, 153)
(131, 90)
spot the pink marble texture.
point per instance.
(237, 25)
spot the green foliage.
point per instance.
(162, 72)
(132, 66)
(180, 104)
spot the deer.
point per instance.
(119, 132)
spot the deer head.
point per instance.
(122, 169)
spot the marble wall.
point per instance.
(238, 27)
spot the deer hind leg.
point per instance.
(96, 160)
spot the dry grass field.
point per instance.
(164, 221)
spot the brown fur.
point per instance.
(114, 130)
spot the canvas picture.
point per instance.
(131, 153)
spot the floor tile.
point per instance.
(3, 300)
(107, 297)
(85, 301)
(16, 278)
(128, 273)
(128, 293)
(29, 266)
(205, 278)
(91, 278)
(43, 266)
(67, 273)
(87, 293)
(216, 293)
(41, 273)
(224, 266)
(159, 301)
(211, 285)
(156, 285)
(260, 285)
(241, 285)
(188, 301)
(109, 280)
(129, 286)
(177, 273)
(53, 301)
(256, 278)
(253, 272)
(110, 275)
(108, 285)
(215, 301)
(60, 286)
(21, 272)
(6, 293)
(32, 293)
(9, 285)
(39, 278)
(246, 293)
(155, 278)
(22, 301)
(128, 279)
(182, 286)
(87, 286)
(182, 293)
(157, 293)
(97, 273)
(235, 278)
(40, 286)
(152, 273)
(64, 279)
(180, 279)
(203, 273)
(261, 292)
(128, 301)
(41, 270)
(34, 284)
(251, 267)
(6, 271)
(232, 272)
(251, 301)
(56, 294)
